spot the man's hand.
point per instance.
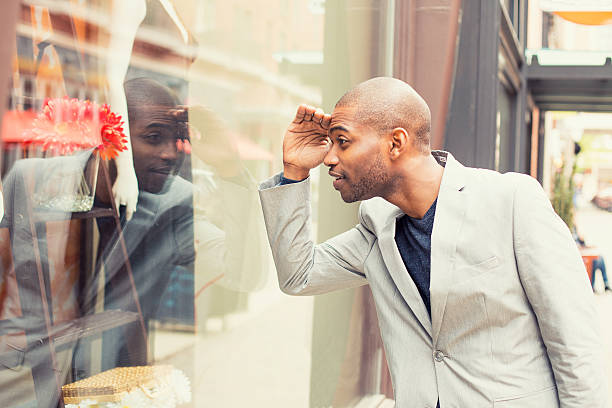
(212, 142)
(306, 142)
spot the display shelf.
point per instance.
(50, 215)
(42, 337)
(63, 334)
(91, 325)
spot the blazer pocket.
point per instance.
(488, 263)
(544, 398)
(467, 272)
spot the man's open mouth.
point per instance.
(163, 170)
(338, 179)
(335, 175)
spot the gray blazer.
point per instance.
(513, 322)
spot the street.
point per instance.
(596, 227)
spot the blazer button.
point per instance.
(438, 356)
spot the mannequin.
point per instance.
(127, 17)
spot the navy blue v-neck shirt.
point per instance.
(413, 239)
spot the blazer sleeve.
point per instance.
(555, 282)
(304, 268)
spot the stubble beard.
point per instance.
(371, 184)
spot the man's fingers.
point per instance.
(326, 121)
(307, 113)
(299, 115)
(318, 115)
(310, 111)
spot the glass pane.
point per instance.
(133, 142)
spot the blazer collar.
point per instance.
(450, 211)
(454, 176)
(448, 222)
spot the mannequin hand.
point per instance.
(125, 189)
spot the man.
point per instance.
(159, 238)
(480, 291)
(597, 261)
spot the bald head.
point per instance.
(385, 103)
(156, 125)
(145, 93)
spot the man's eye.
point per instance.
(153, 137)
(342, 141)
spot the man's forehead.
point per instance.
(343, 117)
(154, 108)
(347, 119)
(163, 113)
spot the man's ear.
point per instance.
(400, 141)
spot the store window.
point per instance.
(135, 269)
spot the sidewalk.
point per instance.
(596, 226)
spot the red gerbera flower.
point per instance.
(67, 125)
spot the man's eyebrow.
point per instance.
(338, 128)
(156, 124)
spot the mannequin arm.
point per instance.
(126, 18)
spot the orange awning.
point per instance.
(587, 17)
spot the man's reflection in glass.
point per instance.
(157, 128)
(159, 238)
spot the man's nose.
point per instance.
(330, 159)
(169, 151)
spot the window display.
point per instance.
(137, 387)
(133, 140)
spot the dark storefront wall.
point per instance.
(486, 124)
(505, 118)
(470, 69)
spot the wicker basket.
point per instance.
(112, 385)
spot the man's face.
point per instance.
(154, 136)
(356, 159)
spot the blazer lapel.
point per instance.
(450, 213)
(399, 274)
(134, 231)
